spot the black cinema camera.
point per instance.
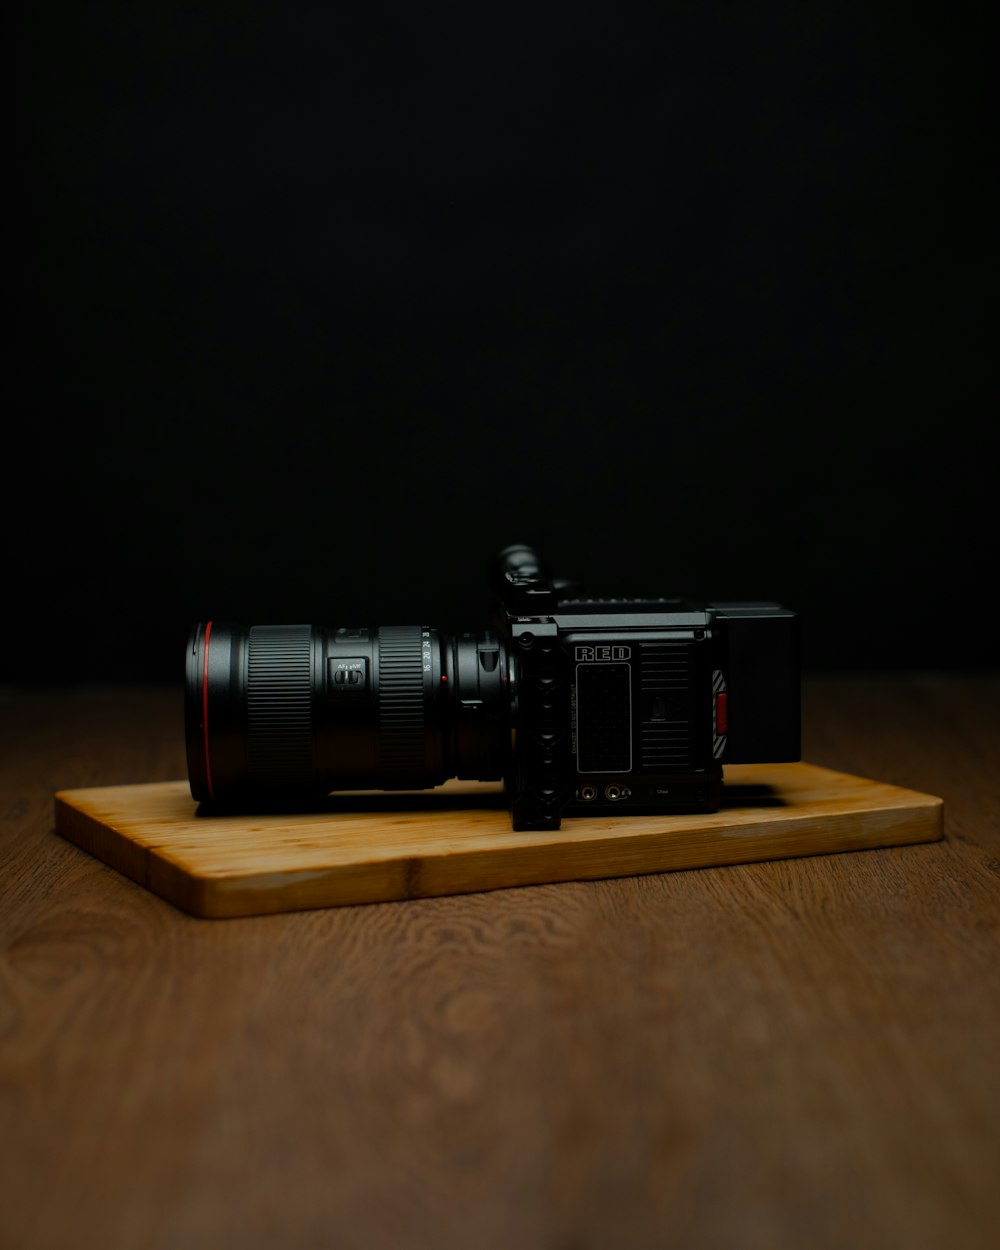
(581, 706)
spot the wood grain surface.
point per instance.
(457, 839)
(795, 1053)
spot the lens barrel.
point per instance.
(286, 710)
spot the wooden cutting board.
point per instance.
(378, 847)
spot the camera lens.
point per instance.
(286, 710)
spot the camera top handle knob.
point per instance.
(521, 582)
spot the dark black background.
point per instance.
(320, 304)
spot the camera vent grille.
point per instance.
(665, 727)
(279, 712)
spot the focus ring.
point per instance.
(279, 705)
(401, 707)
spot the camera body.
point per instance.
(634, 706)
(580, 705)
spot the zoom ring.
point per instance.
(401, 707)
(279, 718)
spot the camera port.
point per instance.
(588, 794)
(614, 793)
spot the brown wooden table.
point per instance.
(802, 1053)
